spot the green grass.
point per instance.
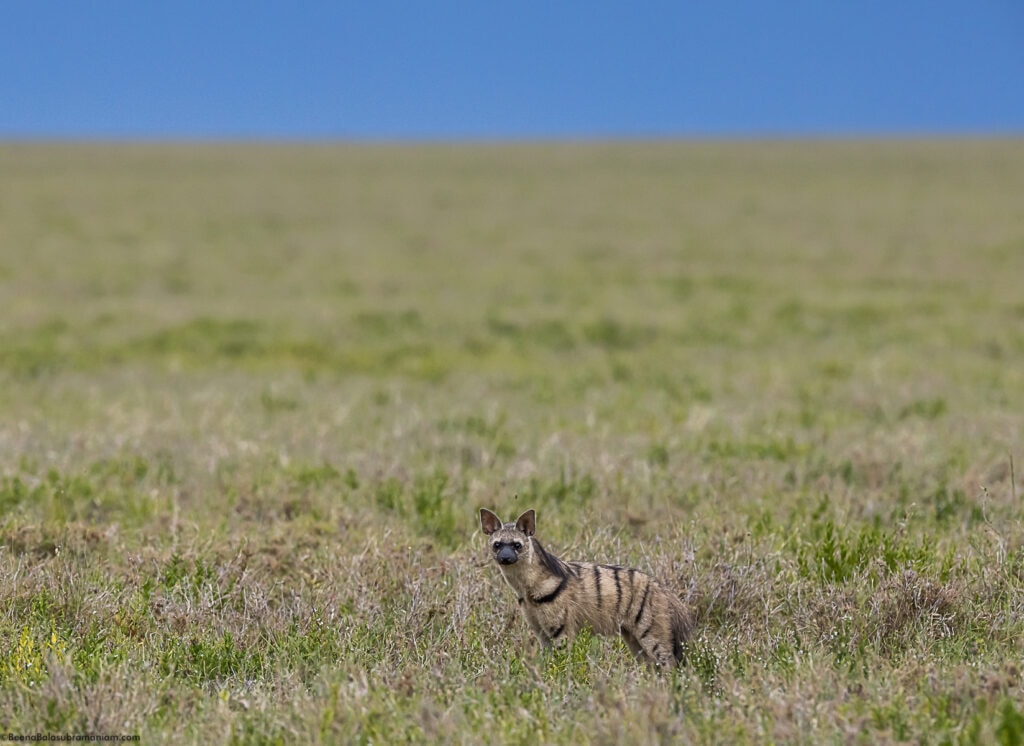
(252, 397)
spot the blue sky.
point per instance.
(483, 70)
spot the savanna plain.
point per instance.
(253, 396)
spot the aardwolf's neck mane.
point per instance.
(548, 561)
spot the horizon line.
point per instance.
(822, 136)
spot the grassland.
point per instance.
(251, 398)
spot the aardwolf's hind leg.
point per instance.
(632, 643)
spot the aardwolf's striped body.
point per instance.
(558, 598)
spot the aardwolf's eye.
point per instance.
(518, 546)
(496, 546)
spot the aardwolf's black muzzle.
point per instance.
(507, 556)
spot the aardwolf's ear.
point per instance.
(489, 522)
(527, 522)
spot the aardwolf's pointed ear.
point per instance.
(489, 522)
(527, 522)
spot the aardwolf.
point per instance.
(558, 598)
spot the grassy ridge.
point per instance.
(251, 398)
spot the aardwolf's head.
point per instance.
(508, 541)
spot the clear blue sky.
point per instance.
(518, 69)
